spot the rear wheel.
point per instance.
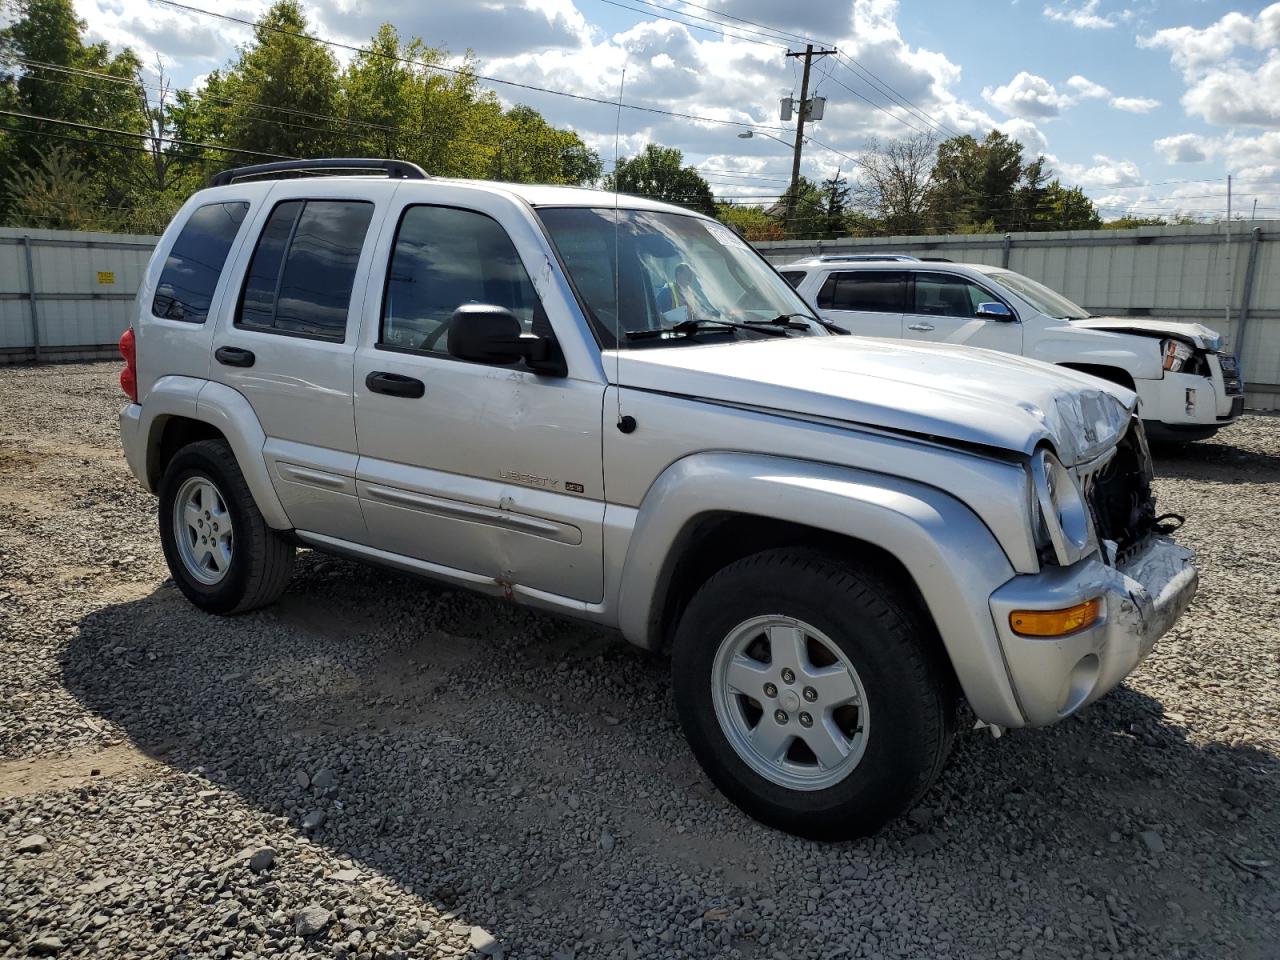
(220, 551)
(812, 693)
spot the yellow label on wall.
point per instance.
(106, 276)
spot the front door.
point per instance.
(491, 471)
(867, 303)
(944, 309)
(287, 344)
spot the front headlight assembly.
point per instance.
(1176, 355)
(1061, 511)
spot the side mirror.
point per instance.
(994, 311)
(483, 333)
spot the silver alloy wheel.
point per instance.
(202, 530)
(790, 702)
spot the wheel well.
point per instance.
(714, 541)
(174, 434)
(1110, 374)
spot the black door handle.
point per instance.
(395, 385)
(234, 357)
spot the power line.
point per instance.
(903, 120)
(144, 136)
(776, 30)
(612, 104)
(772, 42)
(853, 65)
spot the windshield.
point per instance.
(1048, 302)
(672, 269)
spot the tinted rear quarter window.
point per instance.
(196, 260)
(871, 291)
(304, 268)
(792, 277)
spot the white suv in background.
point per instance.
(1189, 389)
(615, 410)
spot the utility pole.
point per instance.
(803, 113)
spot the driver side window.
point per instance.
(945, 295)
(444, 258)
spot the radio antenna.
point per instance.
(625, 424)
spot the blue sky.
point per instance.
(1147, 105)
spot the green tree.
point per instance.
(530, 150)
(43, 40)
(752, 222)
(1066, 209)
(265, 101)
(55, 192)
(658, 172)
(836, 196)
(975, 182)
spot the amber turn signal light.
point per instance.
(1055, 623)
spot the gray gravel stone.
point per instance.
(1152, 841)
(32, 843)
(429, 706)
(262, 859)
(310, 920)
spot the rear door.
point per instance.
(867, 303)
(944, 308)
(288, 345)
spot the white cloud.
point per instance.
(1026, 133)
(1226, 83)
(1104, 172)
(1134, 104)
(1193, 48)
(1084, 16)
(1086, 89)
(1184, 148)
(1232, 94)
(1027, 95)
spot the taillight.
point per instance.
(129, 375)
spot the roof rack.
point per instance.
(394, 169)
(862, 257)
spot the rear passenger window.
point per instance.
(304, 268)
(872, 291)
(444, 258)
(195, 262)
(793, 277)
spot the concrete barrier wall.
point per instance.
(1177, 272)
(84, 286)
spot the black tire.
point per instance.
(261, 561)
(910, 689)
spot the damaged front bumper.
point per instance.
(1053, 677)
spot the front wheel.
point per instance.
(221, 552)
(812, 693)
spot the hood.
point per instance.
(954, 393)
(1196, 334)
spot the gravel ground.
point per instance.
(379, 767)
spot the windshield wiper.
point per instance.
(822, 322)
(774, 328)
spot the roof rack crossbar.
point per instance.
(394, 169)
(863, 257)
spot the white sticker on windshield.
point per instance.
(726, 236)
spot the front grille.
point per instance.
(1119, 495)
(1231, 374)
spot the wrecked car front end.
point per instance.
(1112, 582)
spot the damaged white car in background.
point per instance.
(1189, 388)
